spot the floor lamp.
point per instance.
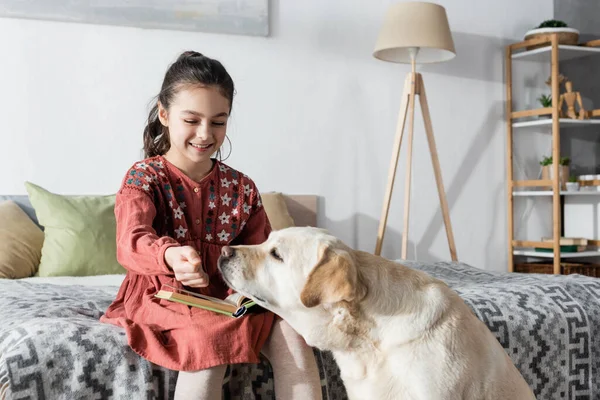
(414, 32)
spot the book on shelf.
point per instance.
(235, 305)
(568, 241)
(569, 248)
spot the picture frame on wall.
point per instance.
(241, 17)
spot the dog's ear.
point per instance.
(333, 279)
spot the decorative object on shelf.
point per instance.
(548, 171)
(573, 184)
(561, 78)
(546, 101)
(592, 43)
(569, 98)
(566, 268)
(594, 113)
(589, 183)
(566, 35)
(410, 29)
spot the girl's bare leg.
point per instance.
(206, 384)
(295, 369)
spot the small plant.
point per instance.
(552, 23)
(545, 100)
(548, 161)
(572, 179)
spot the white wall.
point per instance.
(315, 113)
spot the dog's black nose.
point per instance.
(227, 252)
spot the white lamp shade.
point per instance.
(415, 24)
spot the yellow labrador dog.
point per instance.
(395, 332)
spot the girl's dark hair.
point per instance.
(190, 69)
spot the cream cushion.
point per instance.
(21, 242)
(277, 210)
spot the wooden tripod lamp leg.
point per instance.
(411, 128)
(436, 167)
(393, 164)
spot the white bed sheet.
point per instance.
(96, 280)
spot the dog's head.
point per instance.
(295, 269)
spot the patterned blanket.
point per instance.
(52, 345)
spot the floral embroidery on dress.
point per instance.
(230, 199)
(224, 218)
(225, 199)
(181, 231)
(144, 174)
(136, 181)
(247, 208)
(223, 236)
(233, 202)
(178, 213)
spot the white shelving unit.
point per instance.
(550, 54)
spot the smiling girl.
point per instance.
(175, 210)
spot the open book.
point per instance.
(235, 305)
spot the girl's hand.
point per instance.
(187, 265)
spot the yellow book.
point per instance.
(235, 305)
(568, 241)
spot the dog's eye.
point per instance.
(276, 255)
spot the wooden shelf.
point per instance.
(533, 193)
(566, 122)
(565, 52)
(551, 54)
(533, 253)
(533, 183)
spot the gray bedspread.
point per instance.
(52, 345)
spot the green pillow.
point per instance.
(79, 233)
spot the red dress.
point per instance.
(157, 207)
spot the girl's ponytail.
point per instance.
(156, 136)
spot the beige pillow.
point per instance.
(277, 210)
(21, 242)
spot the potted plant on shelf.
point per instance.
(566, 35)
(573, 184)
(548, 170)
(546, 101)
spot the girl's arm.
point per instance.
(139, 249)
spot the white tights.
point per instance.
(295, 370)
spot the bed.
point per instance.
(52, 345)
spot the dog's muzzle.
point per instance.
(227, 254)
